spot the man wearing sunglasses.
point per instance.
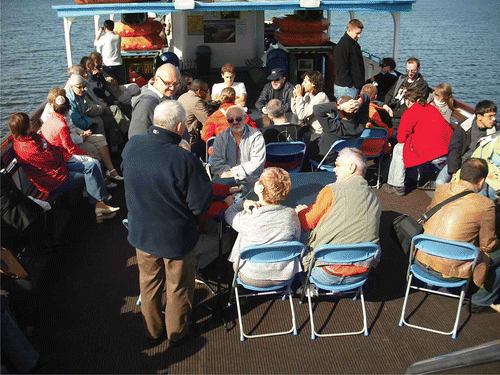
(165, 84)
(394, 99)
(239, 151)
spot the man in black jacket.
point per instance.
(166, 189)
(466, 136)
(279, 88)
(349, 64)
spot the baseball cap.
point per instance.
(276, 74)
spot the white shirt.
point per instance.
(109, 46)
(239, 88)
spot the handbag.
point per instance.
(404, 227)
(10, 265)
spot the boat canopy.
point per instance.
(394, 7)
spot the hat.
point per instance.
(276, 74)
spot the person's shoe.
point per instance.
(113, 174)
(157, 341)
(192, 333)
(104, 213)
(399, 191)
(477, 309)
(429, 185)
(496, 307)
(109, 184)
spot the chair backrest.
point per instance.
(444, 248)
(375, 141)
(337, 146)
(286, 155)
(272, 253)
(346, 254)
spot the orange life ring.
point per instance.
(294, 25)
(302, 39)
(141, 42)
(144, 29)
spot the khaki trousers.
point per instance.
(176, 276)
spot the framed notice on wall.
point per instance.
(219, 31)
(195, 25)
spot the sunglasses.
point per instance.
(237, 119)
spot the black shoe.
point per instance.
(193, 332)
(154, 342)
(477, 309)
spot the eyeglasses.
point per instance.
(79, 87)
(237, 119)
(411, 71)
(169, 84)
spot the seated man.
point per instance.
(216, 122)
(394, 99)
(194, 104)
(466, 136)
(345, 212)
(282, 130)
(239, 151)
(423, 136)
(345, 119)
(228, 72)
(467, 219)
(278, 89)
(386, 78)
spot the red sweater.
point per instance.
(43, 163)
(425, 133)
(216, 123)
(57, 133)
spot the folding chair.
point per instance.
(209, 149)
(461, 251)
(279, 252)
(373, 147)
(336, 147)
(342, 255)
(287, 155)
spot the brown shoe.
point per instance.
(399, 191)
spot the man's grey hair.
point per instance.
(168, 114)
(276, 108)
(354, 156)
(238, 107)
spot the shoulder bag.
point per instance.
(404, 227)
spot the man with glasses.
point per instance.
(239, 151)
(394, 99)
(279, 88)
(165, 84)
(194, 104)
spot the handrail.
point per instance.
(485, 353)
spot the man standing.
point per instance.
(349, 64)
(239, 151)
(165, 84)
(166, 189)
(467, 219)
(194, 104)
(345, 212)
(466, 137)
(109, 46)
(395, 98)
(278, 88)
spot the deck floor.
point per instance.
(91, 324)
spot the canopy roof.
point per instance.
(339, 6)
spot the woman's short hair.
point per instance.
(76, 80)
(316, 78)
(227, 68)
(58, 100)
(19, 124)
(228, 95)
(277, 185)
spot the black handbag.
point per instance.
(404, 227)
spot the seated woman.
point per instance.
(265, 222)
(216, 123)
(442, 99)
(58, 130)
(45, 166)
(228, 73)
(305, 97)
(80, 116)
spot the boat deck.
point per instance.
(91, 323)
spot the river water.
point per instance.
(457, 41)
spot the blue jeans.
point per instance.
(319, 274)
(443, 177)
(339, 91)
(86, 174)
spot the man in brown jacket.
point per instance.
(467, 219)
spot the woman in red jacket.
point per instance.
(423, 136)
(50, 173)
